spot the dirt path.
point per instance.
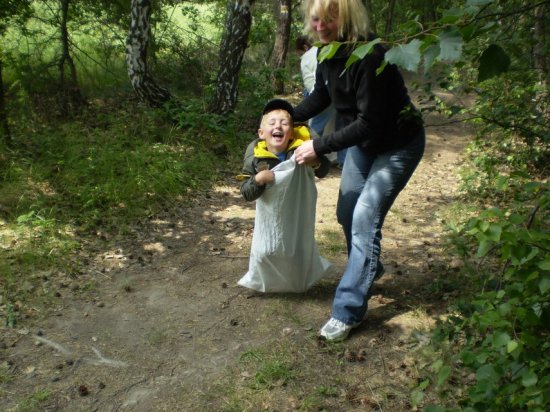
(157, 322)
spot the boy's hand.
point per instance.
(265, 177)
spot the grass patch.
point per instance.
(331, 243)
(6, 374)
(287, 375)
(33, 402)
(33, 251)
(269, 369)
(156, 337)
(99, 174)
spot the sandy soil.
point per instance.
(157, 322)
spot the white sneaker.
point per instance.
(336, 330)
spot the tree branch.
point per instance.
(512, 13)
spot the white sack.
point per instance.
(284, 255)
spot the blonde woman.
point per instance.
(385, 139)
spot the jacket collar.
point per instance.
(261, 148)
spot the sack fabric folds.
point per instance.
(284, 255)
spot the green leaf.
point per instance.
(424, 384)
(487, 373)
(529, 378)
(328, 51)
(494, 232)
(500, 339)
(468, 357)
(382, 67)
(361, 51)
(406, 56)
(467, 32)
(484, 225)
(511, 346)
(451, 15)
(479, 2)
(504, 309)
(537, 309)
(484, 247)
(544, 284)
(518, 219)
(493, 61)
(430, 54)
(450, 43)
(443, 374)
(545, 264)
(416, 397)
(436, 366)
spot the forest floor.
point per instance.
(157, 322)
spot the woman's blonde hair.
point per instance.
(353, 20)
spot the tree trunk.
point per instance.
(232, 47)
(71, 98)
(389, 18)
(372, 16)
(280, 50)
(4, 126)
(539, 56)
(430, 11)
(136, 56)
(540, 59)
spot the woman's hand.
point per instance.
(265, 177)
(305, 154)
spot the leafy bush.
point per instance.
(496, 342)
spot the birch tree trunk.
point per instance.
(136, 56)
(233, 45)
(280, 50)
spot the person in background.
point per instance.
(327, 121)
(385, 137)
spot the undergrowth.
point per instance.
(492, 350)
(102, 172)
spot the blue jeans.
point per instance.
(368, 187)
(341, 156)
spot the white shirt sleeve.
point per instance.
(308, 66)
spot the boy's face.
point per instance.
(276, 130)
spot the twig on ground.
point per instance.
(101, 360)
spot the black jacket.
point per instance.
(376, 111)
(261, 159)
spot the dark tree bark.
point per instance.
(430, 11)
(4, 126)
(539, 55)
(71, 98)
(389, 17)
(372, 15)
(136, 56)
(540, 59)
(280, 50)
(232, 48)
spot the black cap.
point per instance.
(278, 104)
